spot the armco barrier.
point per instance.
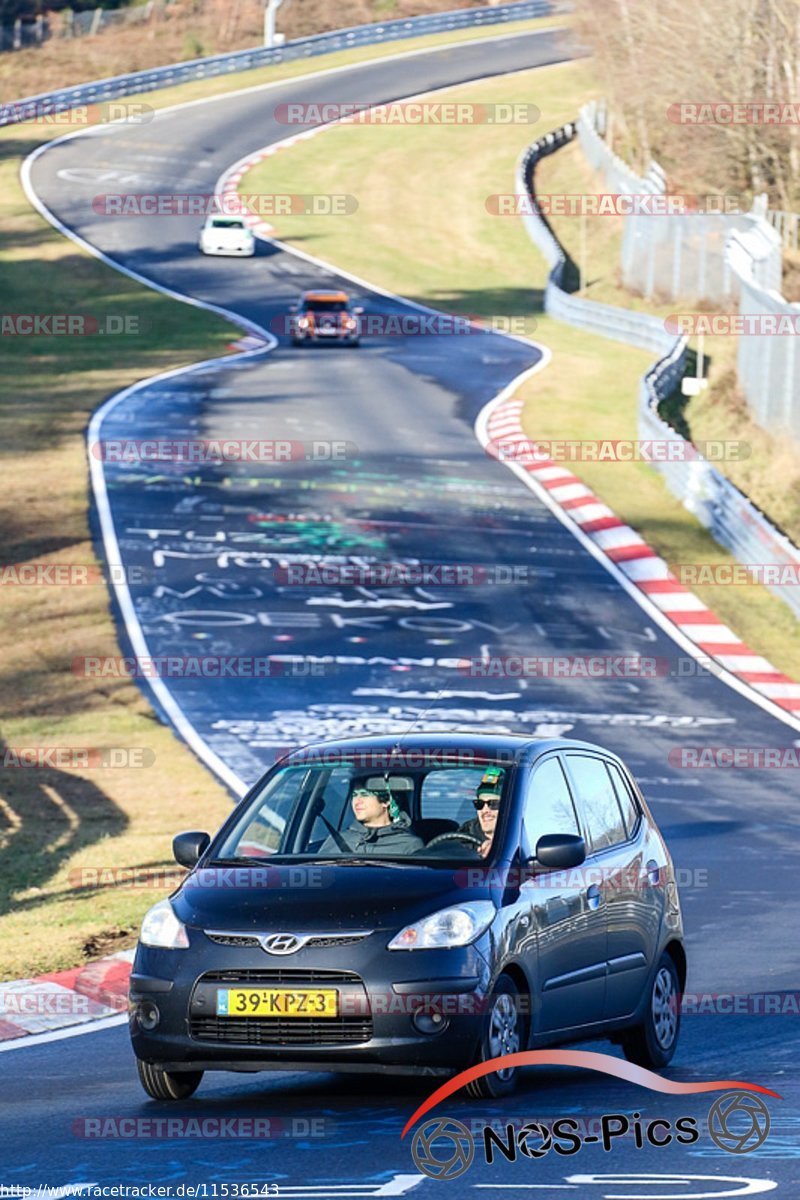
(136, 82)
(730, 517)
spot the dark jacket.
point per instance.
(396, 838)
(474, 829)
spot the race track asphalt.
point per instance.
(413, 485)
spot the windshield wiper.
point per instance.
(340, 860)
(240, 860)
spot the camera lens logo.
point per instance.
(443, 1149)
(738, 1122)
(534, 1140)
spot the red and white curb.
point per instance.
(643, 568)
(64, 998)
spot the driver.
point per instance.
(487, 802)
(379, 828)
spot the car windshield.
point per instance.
(227, 223)
(344, 810)
(333, 306)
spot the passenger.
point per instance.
(380, 826)
(487, 801)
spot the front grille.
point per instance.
(334, 939)
(275, 1031)
(232, 939)
(314, 943)
(353, 1025)
(290, 975)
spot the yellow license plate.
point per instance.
(278, 1002)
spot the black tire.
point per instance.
(503, 1033)
(167, 1085)
(653, 1043)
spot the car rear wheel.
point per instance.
(652, 1044)
(167, 1085)
(502, 1034)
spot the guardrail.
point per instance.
(732, 519)
(137, 82)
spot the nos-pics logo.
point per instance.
(443, 1148)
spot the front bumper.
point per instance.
(246, 250)
(381, 995)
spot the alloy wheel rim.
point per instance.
(503, 1031)
(665, 1008)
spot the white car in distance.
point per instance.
(226, 235)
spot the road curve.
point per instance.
(414, 486)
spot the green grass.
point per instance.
(422, 229)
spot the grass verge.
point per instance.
(60, 826)
(430, 195)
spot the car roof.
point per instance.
(325, 296)
(504, 746)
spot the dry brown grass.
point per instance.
(185, 31)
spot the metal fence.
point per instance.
(786, 224)
(732, 519)
(768, 365)
(680, 254)
(137, 82)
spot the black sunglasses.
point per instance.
(493, 804)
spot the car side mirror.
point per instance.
(293, 307)
(188, 847)
(358, 311)
(560, 851)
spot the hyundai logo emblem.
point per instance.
(281, 943)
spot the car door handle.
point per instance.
(594, 897)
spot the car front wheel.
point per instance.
(167, 1085)
(652, 1044)
(503, 1033)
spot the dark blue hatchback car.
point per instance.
(414, 906)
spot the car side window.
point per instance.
(630, 813)
(597, 801)
(548, 805)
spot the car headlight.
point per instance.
(456, 926)
(162, 928)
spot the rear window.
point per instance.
(450, 793)
(630, 812)
(227, 223)
(597, 801)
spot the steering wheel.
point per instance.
(455, 836)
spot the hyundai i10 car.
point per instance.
(411, 905)
(325, 316)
